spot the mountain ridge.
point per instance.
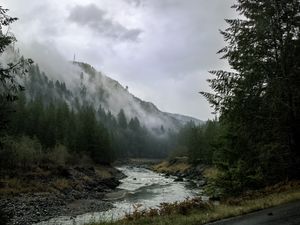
(144, 110)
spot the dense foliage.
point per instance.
(259, 102)
(198, 142)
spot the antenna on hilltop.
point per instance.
(74, 58)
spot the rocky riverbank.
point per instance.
(43, 193)
(181, 169)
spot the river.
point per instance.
(141, 187)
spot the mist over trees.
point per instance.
(43, 121)
(50, 115)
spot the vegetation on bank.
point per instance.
(196, 212)
(175, 165)
(50, 178)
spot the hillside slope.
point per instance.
(115, 97)
(89, 85)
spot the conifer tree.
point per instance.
(259, 100)
(122, 121)
(9, 86)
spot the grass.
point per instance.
(61, 184)
(37, 179)
(103, 172)
(167, 167)
(250, 202)
(15, 186)
(211, 173)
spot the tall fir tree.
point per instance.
(259, 101)
(9, 71)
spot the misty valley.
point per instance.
(138, 129)
(64, 136)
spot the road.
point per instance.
(288, 214)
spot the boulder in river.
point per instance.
(178, 179)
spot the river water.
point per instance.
(141, 187)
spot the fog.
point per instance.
(161, 49)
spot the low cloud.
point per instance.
(96, 19)
(134, 2)
(161, 49)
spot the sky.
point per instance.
(161, 49)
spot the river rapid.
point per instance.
(141, 187)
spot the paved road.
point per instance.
(288, 214)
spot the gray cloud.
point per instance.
(136, 3)
(167, 64)
(96, 19)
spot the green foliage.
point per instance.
(21, 152)
(9, 71)
(198, 142)
(259, 102)
(59, 155)
(122, 121)
(55, 125)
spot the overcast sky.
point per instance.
(160, 49)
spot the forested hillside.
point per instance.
(69, 121)
(76, 113)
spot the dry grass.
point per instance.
(167, 209)
(51, 179)
(103, 172)
(10, 186)
(211, 173)
(61, 184)
(167, 167)
(14, 186)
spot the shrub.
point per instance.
(59, 155)
(20, 152)
(167, 209)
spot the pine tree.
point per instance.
(134, 124)
(259, 102)
(9, 86)
(122, 121)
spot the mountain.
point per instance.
(185, 119)
(81, 83)
(113, 97)
(85, 110)
(74, 105)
